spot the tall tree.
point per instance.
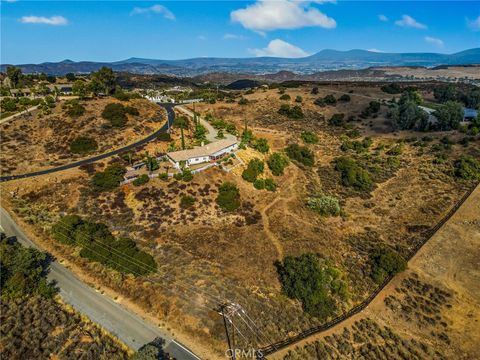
(182, 123)
(14, 74)
(104, 78)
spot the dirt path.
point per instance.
(266, 220)
(23, 112)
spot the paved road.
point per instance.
(170, 118)
(127, 326)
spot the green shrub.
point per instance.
(324, 205)
(319, 286)
(228, 196)
(302, 154)
(116, 114)
(83, 145)
(467, 168)
(392, 88)
(330, 99)
(109, 179)
(285, 97)
(163, 176)
(187, 175)
(259, 184)
(277, 163)
(337, 120)
(261, 144)
(344, 98)
(353, 174)
(270, 185)
(164, 136)
(73, 108)
(130, 110)
(396, 150)
(320, 102)
(141, 180)
(187, 201)
(294, 112)
(309, 137)
(254, 168)
(243, 101)
(298, 99)
(386, 261)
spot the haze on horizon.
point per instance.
(35, 32)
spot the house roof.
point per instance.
(207, 150)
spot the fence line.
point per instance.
(272, 348)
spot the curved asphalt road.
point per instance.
(121, 322)
(170, 118)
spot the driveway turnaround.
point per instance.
(121, 322)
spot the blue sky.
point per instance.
(38, 31)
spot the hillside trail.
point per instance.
(266, 221)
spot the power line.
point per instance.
(182, 296)
(137, 263)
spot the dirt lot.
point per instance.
(434, 303)
(35, 143)
(206, 256)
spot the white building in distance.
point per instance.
(202, 154)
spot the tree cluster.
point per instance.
(98, 244)
(109, 179)
(23, 271)
(353, 174)
(292, 112)
(320, 286)
(277, 163)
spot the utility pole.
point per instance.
(225, 317)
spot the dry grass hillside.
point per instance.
(38, 142)
(206, 256)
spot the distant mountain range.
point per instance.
(321, 61)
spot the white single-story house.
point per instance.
(201, 154)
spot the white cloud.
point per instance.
(53, 20)
(382, 17)
(233, 37)
(155, 9)
(267, 15)
(375, 50)
(201, 37)
(434, 41)
(279, 48)
(408, 21)
(474, 24)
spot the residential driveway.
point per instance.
(212, 132)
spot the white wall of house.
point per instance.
(224, 151)
(198, 160)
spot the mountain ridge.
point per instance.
(327, 59)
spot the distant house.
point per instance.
(469, 114)
(202, 154)
(20, 92)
